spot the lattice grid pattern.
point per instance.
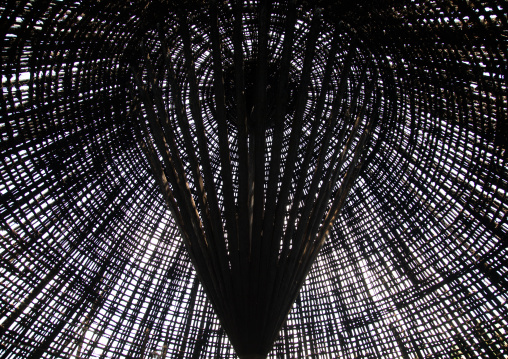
(92, 261)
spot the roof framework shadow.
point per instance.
(258, 179)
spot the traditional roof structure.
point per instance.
(259, 179)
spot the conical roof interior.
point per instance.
(93, 262)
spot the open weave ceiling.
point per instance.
(171, 170)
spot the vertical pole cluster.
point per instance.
(254, 230)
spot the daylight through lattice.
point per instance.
(283, 179)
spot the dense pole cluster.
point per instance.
(282, 179)
(255, 181)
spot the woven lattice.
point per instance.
(142, 140)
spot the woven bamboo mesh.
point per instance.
(114, 137)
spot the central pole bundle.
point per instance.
(254, 121)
